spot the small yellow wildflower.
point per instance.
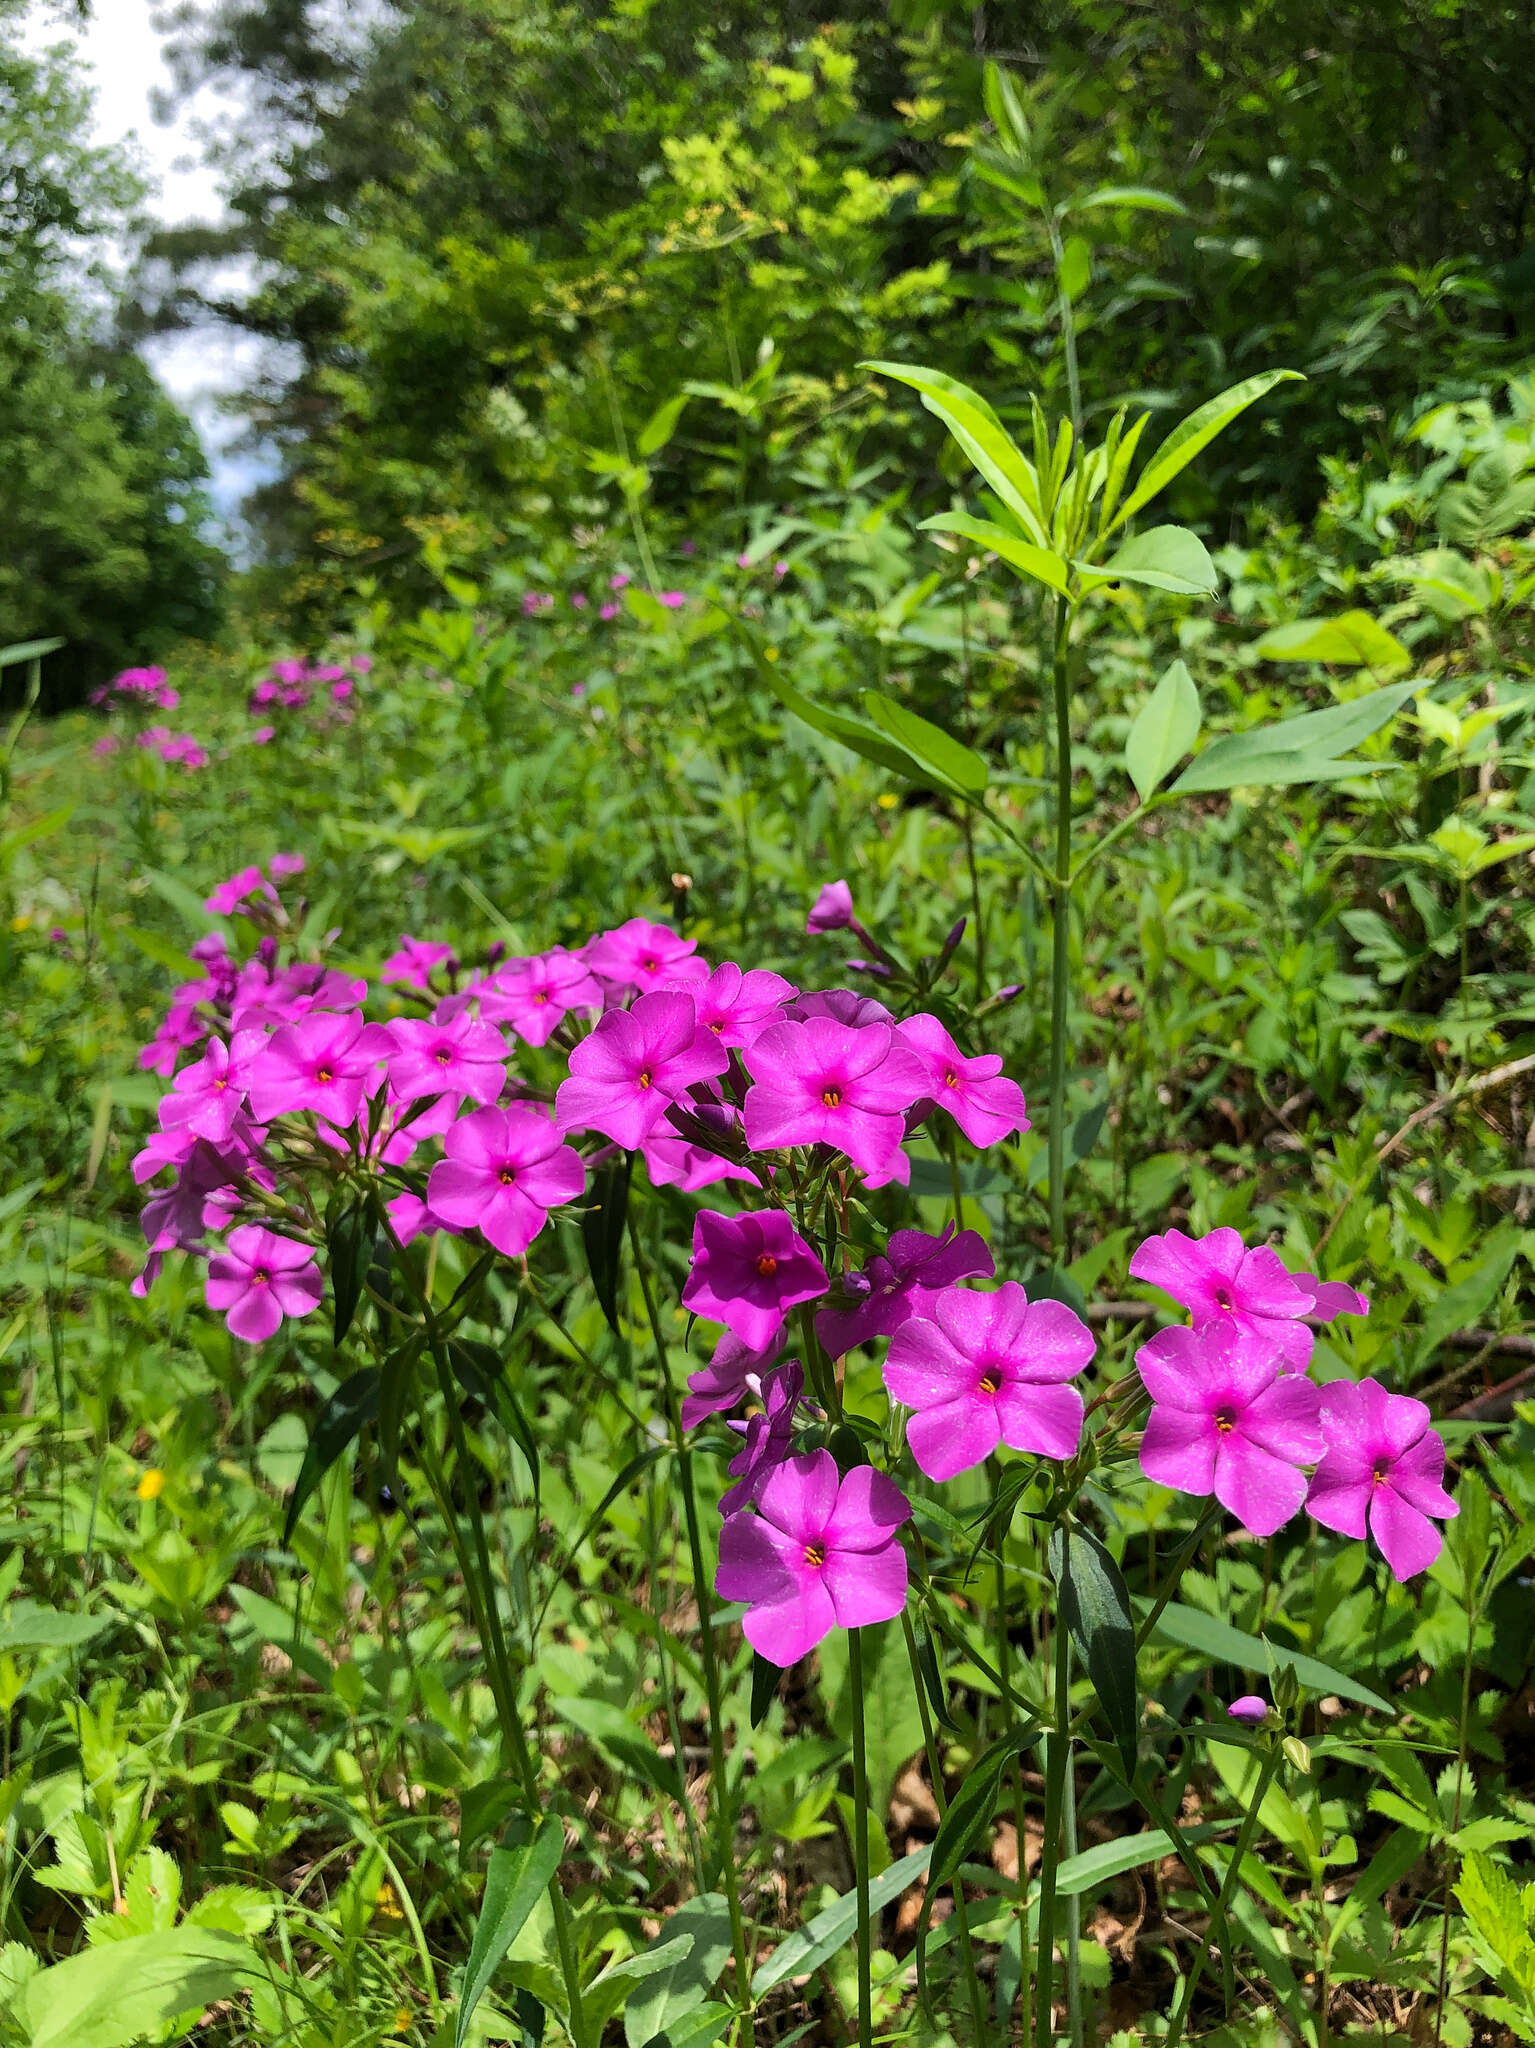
(888, 801)
(151, 1484)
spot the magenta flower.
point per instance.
(1249, 1709)
(283, 866)
(674, 600)
(324, 1063)
(505, 1170)
(228, 896)
(608, 611)
(105, 745)
(903, 1283)
(1226, 1419)
(818, 1554)
(208, 1096)
(644, 956)
(633, 1066)
(841, 1005)
(675, 1162)
(458, 1058)
(410, 1217)
(533, 995)
(979, 1370)
(1382, 1471)
(768, 1435)
(748, 1271)
(263, 735)
(1332, 1298)
(821, 1083)
(975, 1092)
(733, 1372)
(414, 962)
(737, 1004)
(1219, 1280)
(619, 580)
(259, 1278)
(832, 910)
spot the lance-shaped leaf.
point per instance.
(340, 1422)
(1351, 640)
(1138, 198)
(1162, 558)
(1095, 1606)
(351, 1231)
(982, 436)
(516, 1879)
(833, 1928)
(1041, 564)
(1162, 731)
(850, 732)
(664, 2000)
(949, 761)
(1304, 749)
(965, 1824)
(27, 650)
(1194, 434)
(602, 1230)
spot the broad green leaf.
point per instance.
(1075, 272)
(1222, 1644)
(699, 2029)
(610, 1990)
(1469, 1300)
(1139, 198)
(1351, 640)
(514, 1883)
(664, 2000)
(1005, 109)
(954, 764)
(833, 1928)
(24, 1625)
(1162, 558)
(340, 1422)
(1095, 1606)
(27, 650)
(1304, 749)
(1162, 731)
(273, 1624)
(1041, 564)
(123, 1991)
(1194, 434)
(982, 436)
(661, 425)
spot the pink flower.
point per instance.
(737, 1004)
(410, 1217)
(748, 1271)
(1332, 1298)
(342, 690)
(578, 600)
(743, 560)
(981, 1370)
(975, 1092)
(1218, 1280)
(674, 600)
(780, 569)
(732, 1373)
(620, 580)
(533, 995)
(842, 1005)
(1382, 1471)
(832, 910)
(903, 1283)
(208, 1096)
(1249, 1709)
(609, 611)
(414, 962)
(634, 1065)
(643, 955)
(324, 1064)
(820, 1553)
(457, 1059)
(105, 745)
(674, 1162)
(1227, 1420)
(505, 1170)
(768, 1435)
(821, 1083)
(263, 734)
(283, 866)
(228, 896)
(259, 1278)
(363, 663)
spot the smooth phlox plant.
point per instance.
(291, 686)
(484, 1112)
(136, 691)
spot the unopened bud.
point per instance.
(1298, 1753)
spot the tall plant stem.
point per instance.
(1473, 1615)
(861, 1841)
(1050, 1847)
(1060, 950)
(1020, 1802)
(941, 1801)
(719, 1785)
(1227, 1894)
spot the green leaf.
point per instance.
(1304, 749)
(1222, 1644)
(849, 732)
(660, 427)
(1162, 731)
(1139, 198)
(954, 765)
(609, 1991)
(1042, 564)
(340, 1422)
(1388, 1866)
(27, 650)
(702, 2026)
(833, 1928)
(24, 1625)
(981, 435)
(1351, 640)
(1194, 434)
(37, 828)
(1470, 1299)
(1096, 1866)
(1095, 1606)
(765, 1677)
(622, 1742)
(116, 1994)
(516, 1880)
(1075, 271)
(351, 1232)
(1163, 558)
(664, 2000)
(159, 949)
(602, 1230)
(963, 1826)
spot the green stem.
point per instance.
(1074, 1918)
(1176, 1571)
(1473, 1611)
(941, 1801)
(1050, 1847)
(861, 1841)
(719, 1785)
(1228, 1891)
(1060, 951)
(1020, 1802)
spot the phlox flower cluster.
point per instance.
(482, 1111)
(292, 685)
(179, 749)
(137, 686)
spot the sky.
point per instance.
(125, 63)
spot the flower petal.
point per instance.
(866, 1585)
